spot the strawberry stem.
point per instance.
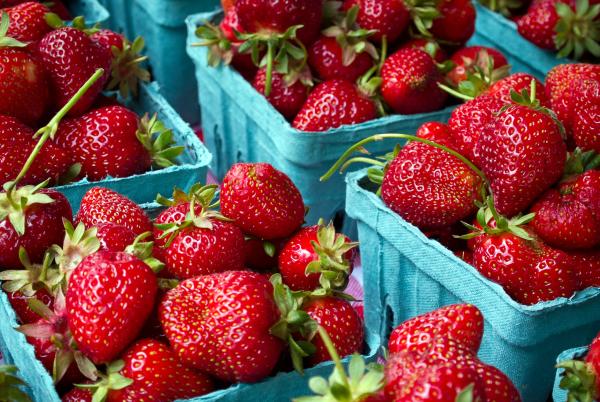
(49, 130)
(269, 72)
(334, 355)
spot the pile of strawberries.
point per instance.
(323, 65)
(581, 376)
(519, 166)
(135, 309)
(569, 27)
(432, 357)
(46, 63)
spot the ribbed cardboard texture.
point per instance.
(494, 30)
(162, 24)
(92, 10)
(559, 394)
(407, 274)
(240, 125)
(141, 188)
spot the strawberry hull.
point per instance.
(559, 394)
(494, 30)
(406, 274)
(161, 24)
(280, 387)
(192, 168)
(240, 125)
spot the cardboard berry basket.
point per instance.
(162, 25)
(494, 30)
(559, 394)
(407, 274)
(240, 125)
(192, 167)
(92, 10)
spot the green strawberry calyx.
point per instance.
(577, 31)
(466, 395)
(142, 249)
(112, 380)
(34, 277)
(158, 141)
(55, 22)
(15, 201)
(579, 162)
(11, 385)
(220, 49)
(332, 264)
(126, 69)
(360, 382)
(504, 7)
(579, 379)
(78, 243)
(423, 13)
(6, 41)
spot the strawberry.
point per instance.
(388, 18)
(469, 120)
(586, 115)
(78, 395)
(569, 217)
(27, 21)
(330, 60)
(315, 257)
(522, 153)
(517, 82)
(109, 297)
(114, 237)
(410, 82)
(436, 132)
(461, 322)
(196, 240)
(468, 59)
(333, 104)
(447, 187)
(59, 8)
(17, 143)
(455, 23)
(497, 387)
(580, 378)
(149, 370)
(586, 265)
(107, 39)
(20, 303)
(101, 205)
(262, 201)
(27, 97)
(341, 322)
(559, 91)
(261, 255)
(31, 218)
(237, 305)
(112, 141)
(287, 98)
(568, 26)
(70, 57)
(429, 46)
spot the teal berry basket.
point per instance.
(162, 25)
(240, 125)
(407, 274)
(92, 10)
(494, 30)
(559, 394)
(192, 163)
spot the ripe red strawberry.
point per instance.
(20, 303)
(462, 323)
(517, 82)
(238, 305)
(287, 99)
(342, 323)
(114, 237)
(315, 257)
(107, 39)
(427, 45)
(469, 120)
(78, 395)
(153, 373)
(581, 379)
(586, 265)
(389, 18)
(456, 22)
(17, 143)
(559, 92)
(329, 61)
(497, 387)
(586, 115)
(523, 154)
(27, 96)
(410, 82)
(537, 25)
(261, 200)
(101, 205)
(333, 104)
(569, 217)
(436, 132)
(268, 17)
(430, 188)
(109, 297)
(468, 59)
(71, 57)
(27, 21)
(198, 243)
(59, 8)
(35, 223)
